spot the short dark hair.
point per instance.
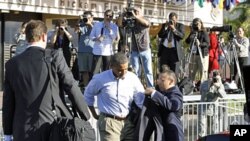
(34, 30)
(62, 22)
(118, 59)
(172, 14)
(88, 13)
(109, 11)
(164, 67)
(170, 74)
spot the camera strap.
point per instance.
(102, 30)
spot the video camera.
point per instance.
(128, 18)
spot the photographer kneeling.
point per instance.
(211, 90)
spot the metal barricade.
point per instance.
(226, 112)
(204, 118)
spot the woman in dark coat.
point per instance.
(62, 39)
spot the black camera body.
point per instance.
(215, 78)
(171, 22)
(83, 20)
(129, 11)
(195, 26)
(128, 18)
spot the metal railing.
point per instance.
(226, 112)
(204, 118)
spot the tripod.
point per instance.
(226, 60)
(130, 40)
(193, 50)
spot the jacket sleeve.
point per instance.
(190, 38)
(8, 105)
(205, 43)
(70, 86)
(162, 33)
(179, 33)
(170, 104)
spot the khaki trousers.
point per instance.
(114, 130)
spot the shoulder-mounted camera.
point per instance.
(128, 18)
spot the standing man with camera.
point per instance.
(103, 34)
(170, 49)
(141, 52)
(199, 45)
(85, 46)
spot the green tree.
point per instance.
(240, 17)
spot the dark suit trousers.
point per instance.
(169, 57)
(100, 63)
(149, 121)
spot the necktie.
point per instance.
(170, 36)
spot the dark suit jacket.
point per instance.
(27, 99)
(161, 114)
(178, 36)
(204, 39)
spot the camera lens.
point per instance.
(85, 20)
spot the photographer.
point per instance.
(199, 39)
(214, 51)
(242, 46)
(103, 33)
(85, 46)
(171, 35)
(140, 49)
(211, 90)
(62, 39)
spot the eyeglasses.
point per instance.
(109, 16)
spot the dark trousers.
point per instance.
(243, 61)
(150, 120)
(169, 57)
(100, 63)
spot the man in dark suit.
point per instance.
(162, 111)
(170, 48)
(27, 97)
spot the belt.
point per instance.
(113, 116)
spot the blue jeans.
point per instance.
(146, 63)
